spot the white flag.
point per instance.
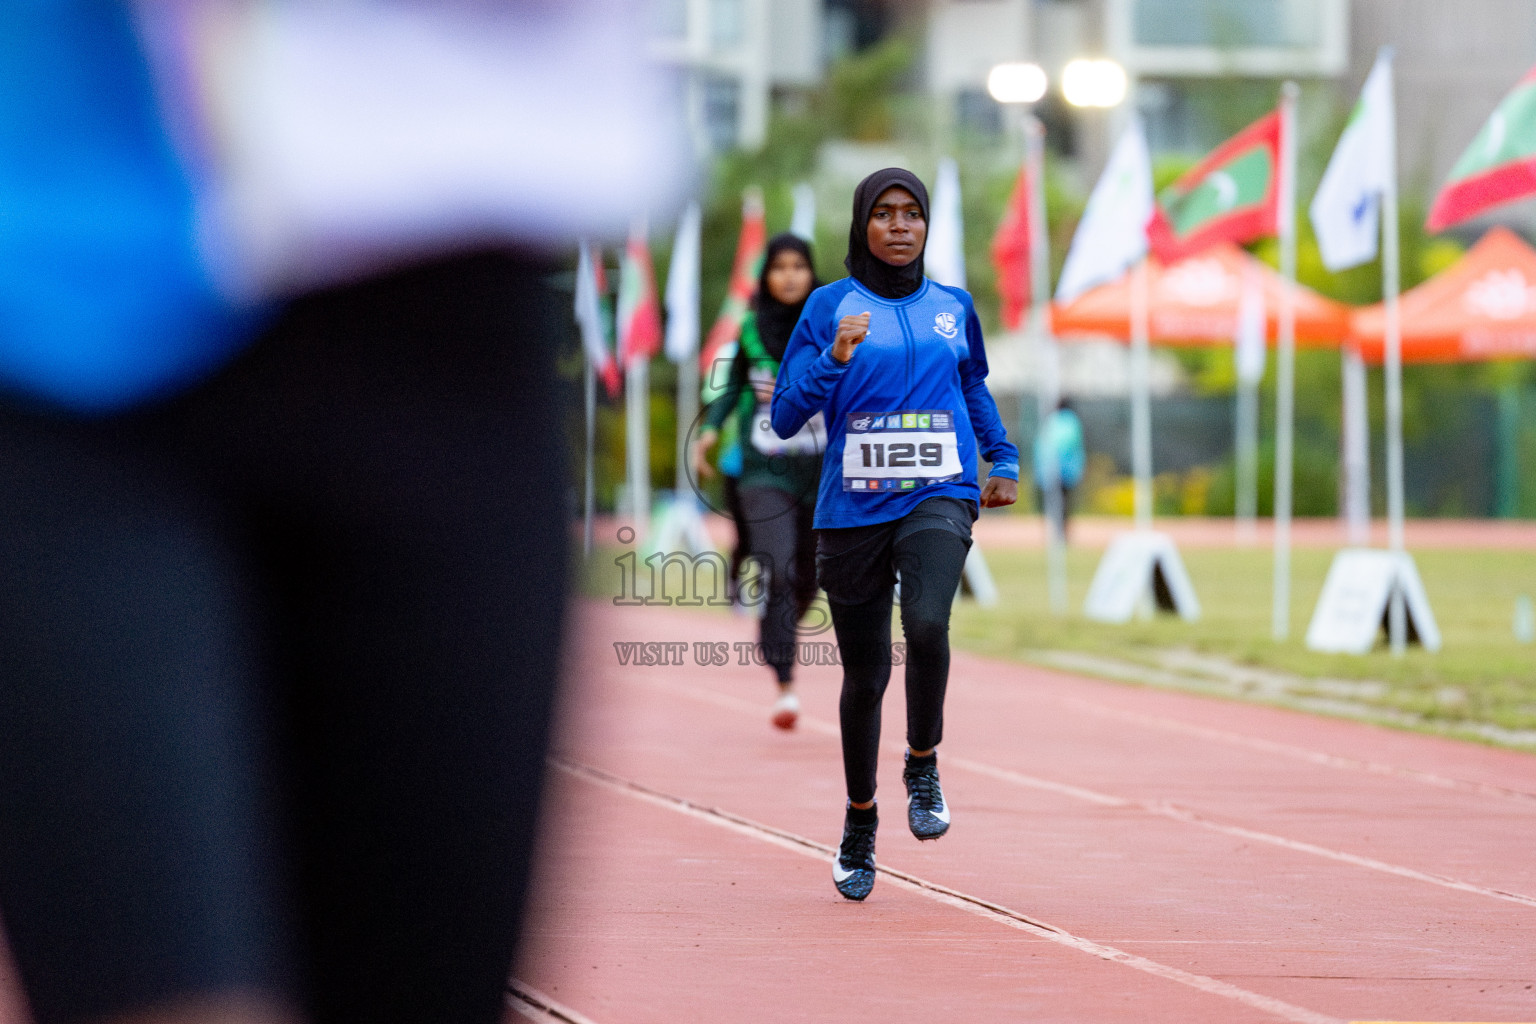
(944, 255)
(683, 289)
(1346, 212)
(589, 314)
(803, 223)
(1251, 328)
(1112, 235)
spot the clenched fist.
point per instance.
(850, 331)
(999, 491)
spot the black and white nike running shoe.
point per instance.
(853, 869)
(927, 813)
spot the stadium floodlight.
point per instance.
(1093, 83)
(1016, 82)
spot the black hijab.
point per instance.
(776, 320)
(882, 278)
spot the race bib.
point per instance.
(811, 439)
(900, 451)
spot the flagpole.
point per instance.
(1357, 457)
(1141, 400)
(682, 347)
(1397, 626)
(1252, 332)
(687, 412)
(1047, 382)
(637, 407)
(1285, 377)
(1247, 460)
(590, 503)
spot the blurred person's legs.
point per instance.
(774, 519)
(388, 462)
(134, 856)
(730, 487)
(399, 444)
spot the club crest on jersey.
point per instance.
(944, 324)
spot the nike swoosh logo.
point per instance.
(838, 874)
(942, 813)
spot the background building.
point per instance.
(1195, 66)
(1455, 61)
(731, 56)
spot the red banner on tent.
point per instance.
(1196, 301)
(1482, 308)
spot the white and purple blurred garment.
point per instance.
(169, 168)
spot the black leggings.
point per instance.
(785, 547)
(277, 659)
(930, 562)
(731, 489)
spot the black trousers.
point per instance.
(730, 488)
(278, 660)
(784, 544)
(858, 568)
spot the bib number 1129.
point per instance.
(900, 450)
(901, 455)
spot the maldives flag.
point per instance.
(1011, 253)
(639, 315)
(1233, 195)
(593, 315)
(1498, 167)
(744, 274)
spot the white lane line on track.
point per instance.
(1299, 753)
(535, 1005)
(945, 895)
(1158, 808)
(1251, 742)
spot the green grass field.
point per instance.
(1481, 675)
(1481, 685)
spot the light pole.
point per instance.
(1018, 85)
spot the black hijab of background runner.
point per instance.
(880, 277)
(776, 320)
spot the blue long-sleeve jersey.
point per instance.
(923, 357)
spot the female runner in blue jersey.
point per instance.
(896, 364)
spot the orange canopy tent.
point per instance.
(1195, 302)
(1483, 307)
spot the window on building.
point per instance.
(841, 32)
(978, 113)
(1193, 116)
(669, 19)
(851, 25)
(726, 19)
(1060, 122)
(1228, 24)
(722, 111)
(1165, 110)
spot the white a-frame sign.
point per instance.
(1352, 610)
(1141, 569)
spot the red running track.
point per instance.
(1117, 855)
